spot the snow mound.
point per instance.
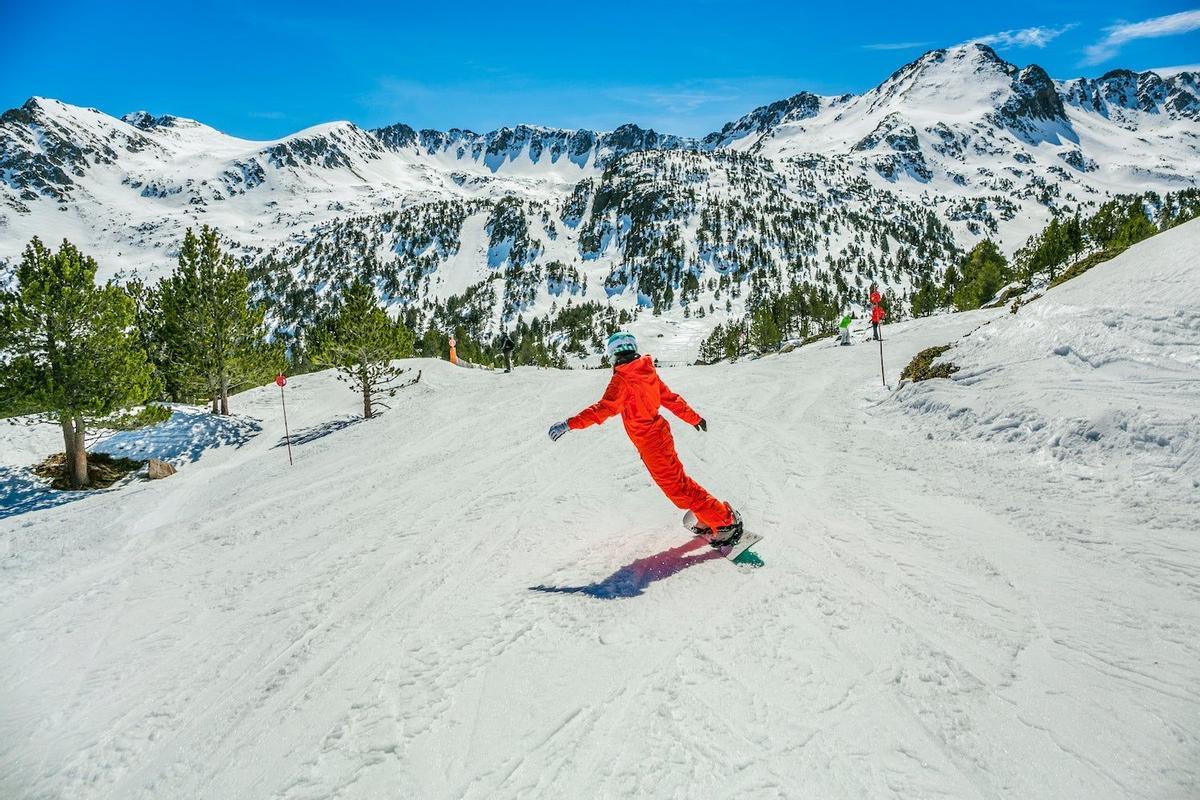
(1102, 374)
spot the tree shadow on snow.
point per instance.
(184, 437)
(632, 579)
(21, 492)
(306, 435)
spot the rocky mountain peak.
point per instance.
(144, 120)
(792, 109)
(141, 119)
(1122, 94)
(1034, 100)
(965, 59)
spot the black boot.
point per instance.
(694, 525)
(728, 535)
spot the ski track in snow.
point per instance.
(442, 603)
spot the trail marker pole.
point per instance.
(281, 381)
(877, 315)
(882, 376)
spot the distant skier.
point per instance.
(844, 325)
(636, 392)
(877, 312)
(507, 346)
(877, 315)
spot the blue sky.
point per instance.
(265, 69)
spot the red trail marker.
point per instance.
(281, 381)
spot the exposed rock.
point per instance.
(1035, 97)
(762, 119)
(159, 469)
(1079, 161)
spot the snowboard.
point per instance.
(738, 552)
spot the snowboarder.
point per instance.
(636, 392)
(507, 346)
(844, 325)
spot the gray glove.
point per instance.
(557, 430)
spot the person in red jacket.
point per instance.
(636, 393)
(877, 312)
(877, 315)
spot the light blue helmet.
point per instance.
(620, 342)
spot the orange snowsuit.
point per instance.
(636, 392)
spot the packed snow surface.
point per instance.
(441, 603)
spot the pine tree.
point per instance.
(984, 271)
(148, 325)
(927, 298)
(69, 348)
(213, 336)
(1074, 231)
(361, 341)
(1102, 226)
(1136, 226)
(764, 333)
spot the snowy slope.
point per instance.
(442, 603)
(1101, 371)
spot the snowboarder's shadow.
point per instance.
(632, 579)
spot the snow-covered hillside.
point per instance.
(887, 186)
(964, 592)
(1103, 369)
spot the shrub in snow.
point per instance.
(922, 368)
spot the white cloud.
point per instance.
(689, 108)
(679, 99)
(896, 46)
(1166, 72)
(1037, 36)
(1120, 34)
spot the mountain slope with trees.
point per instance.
(579, 230)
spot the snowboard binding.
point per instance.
(732, 541)
(726, 536)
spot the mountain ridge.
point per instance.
(986, 147)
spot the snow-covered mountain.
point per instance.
(971, 588)
(142, 178)
(964, 119)
(957, 145)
